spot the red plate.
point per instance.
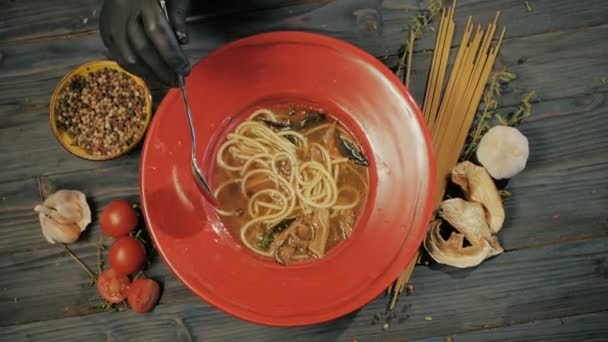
(355, 88)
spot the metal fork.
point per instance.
(200, 180)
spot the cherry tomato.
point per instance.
(118, 218)
(143, 295)
(127, 255)
(112, 286)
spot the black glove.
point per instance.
(138, 35)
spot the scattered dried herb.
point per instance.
(417, 28)
(100, 248)
(524, 111)
(112, 307)
(498, 82)
(528, 6)
(604, 80)
(92, 276)
(504, 194)
(410, 289)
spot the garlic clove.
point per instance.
(503, 151)
(63, 216)
(479, 187)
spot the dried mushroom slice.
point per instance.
(468, 218)
(479, 187)
(453, 252)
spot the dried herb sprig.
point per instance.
(112, 307)
(100, 249)
(524, 111)
(498, 81)
(504, 194)
(417, 28)
(528, 6)
(92, 276)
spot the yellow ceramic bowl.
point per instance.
(65, 139)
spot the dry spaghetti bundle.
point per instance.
(449, 109)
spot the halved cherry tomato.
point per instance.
(127, 255)
(143, 295)
(118, 218)
(112, 286)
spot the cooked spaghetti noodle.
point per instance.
(289, 188)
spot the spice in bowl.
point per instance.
(103, 112)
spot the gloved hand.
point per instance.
(142, 41)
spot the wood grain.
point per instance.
(45, 156)
(516, 287)
(38, 19)
(19, 227)
(565, 161)
(588, 328)
(18, 222)
(546, 63)
(349, 20)
(549, 285)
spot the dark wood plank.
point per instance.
(19, 227)
(443, 302)
(36, 19)
(588, 328)
(349, 20)
(563, 161)
(18, 222)
(548, 76)
(547, 63)
(43, 19)
(564, 189)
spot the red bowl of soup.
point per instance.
(323, 168)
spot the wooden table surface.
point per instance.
(550, 284)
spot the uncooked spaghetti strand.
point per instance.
(449, 99)
(477, 81)
(462, 83)
(428, 94)
(443, 62)
(410, 55)
(455, 68)
(476, 97)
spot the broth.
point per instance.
(291, 182)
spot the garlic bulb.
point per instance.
(503, 151)
(63, 216)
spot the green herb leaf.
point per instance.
(270, 233)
